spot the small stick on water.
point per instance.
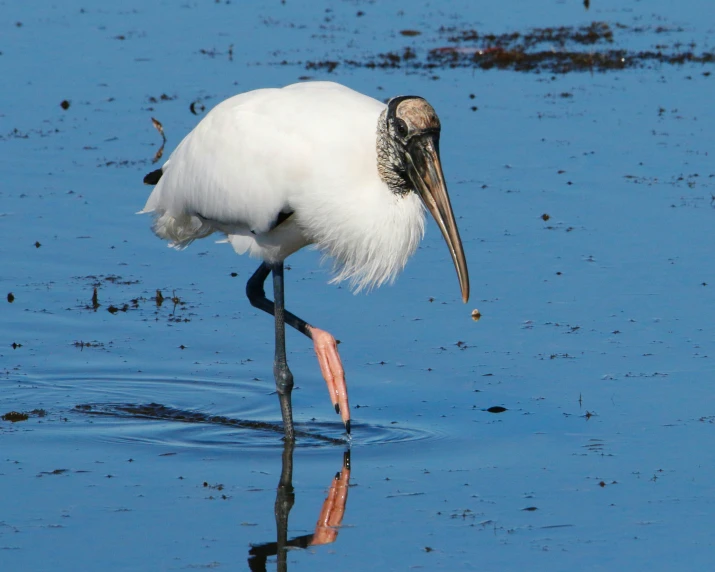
(160, 128)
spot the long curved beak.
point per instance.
(425, 171)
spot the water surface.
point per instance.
(596, 333)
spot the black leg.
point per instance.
(325, 346)
(257, 296)
(284, 378)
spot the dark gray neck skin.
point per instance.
(391, 161)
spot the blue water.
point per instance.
(596, 332)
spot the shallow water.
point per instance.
(596, 333)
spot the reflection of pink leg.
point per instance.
(331, 515)
(332, 369)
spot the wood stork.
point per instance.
(317, 163)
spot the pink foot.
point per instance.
(332, 369)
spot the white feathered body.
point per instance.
(309, 149)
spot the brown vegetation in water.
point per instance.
(560, 49)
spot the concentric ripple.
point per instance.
(185, 428)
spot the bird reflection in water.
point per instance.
(329, 520)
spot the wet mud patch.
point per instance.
(250, 433)
(599, 46)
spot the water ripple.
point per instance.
(187, 428)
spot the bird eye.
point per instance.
(401, 127)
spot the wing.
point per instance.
(307, 149)
(255, 155)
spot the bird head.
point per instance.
(409, 161)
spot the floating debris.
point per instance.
(160, 128)
(197, 105)
(497, 409)
(218, 486)
(327, 65)
(162, 97)
(10, 297)
(15, 416)
(55, 472)
(554, 50)
(81, 345)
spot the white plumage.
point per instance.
(275, 170)
(309, 148)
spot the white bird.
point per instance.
(317, 163)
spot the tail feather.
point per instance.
(181, 230)
(153, 177)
